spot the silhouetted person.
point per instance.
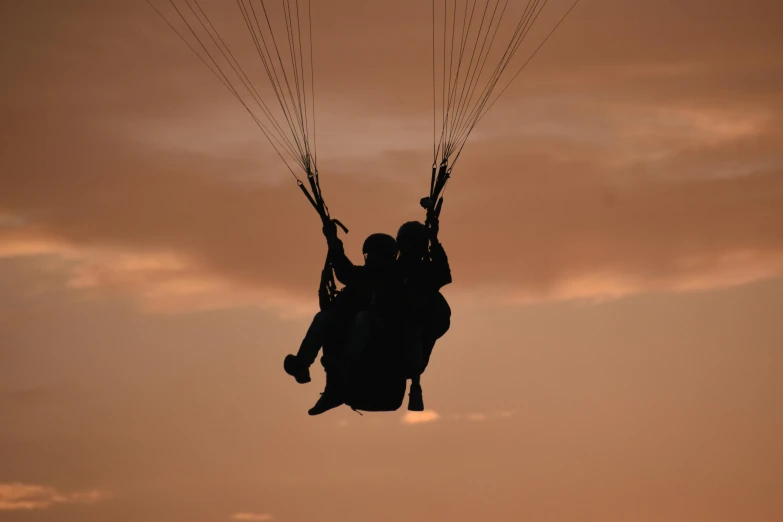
(425, 269)
(372, 300)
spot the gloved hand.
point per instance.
(330, 230)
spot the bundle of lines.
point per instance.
(473, 44)
(278, 41)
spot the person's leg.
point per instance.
(298, 365)
(337, 333)
(428, 344)
(313, 339)
(414, 363)
(439, 318)
(332, 396)
(415, 395)
(436, 323)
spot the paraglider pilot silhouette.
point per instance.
(381, 328)
(425, 269)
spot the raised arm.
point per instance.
(440, 271)
(345, 271)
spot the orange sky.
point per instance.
(614, 226)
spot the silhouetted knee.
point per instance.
(321, 318)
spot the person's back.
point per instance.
(425, 269)
(376, 285)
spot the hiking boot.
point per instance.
(332, 396)
(295, 368)
(415, 398)
(329, 400)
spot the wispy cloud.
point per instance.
(481, 416)
(251, 516)
(160, 282)
(420, 417)
(16, 496)
(670, 184)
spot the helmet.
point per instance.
(381, 245)
(412, 238)
(411, 231)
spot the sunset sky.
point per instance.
(614, 228)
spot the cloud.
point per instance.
(17, 496)
(160, 282)
(481, 417)
(420, 417)
(251, 516)
(616, 170)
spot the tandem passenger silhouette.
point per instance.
(380, 329)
